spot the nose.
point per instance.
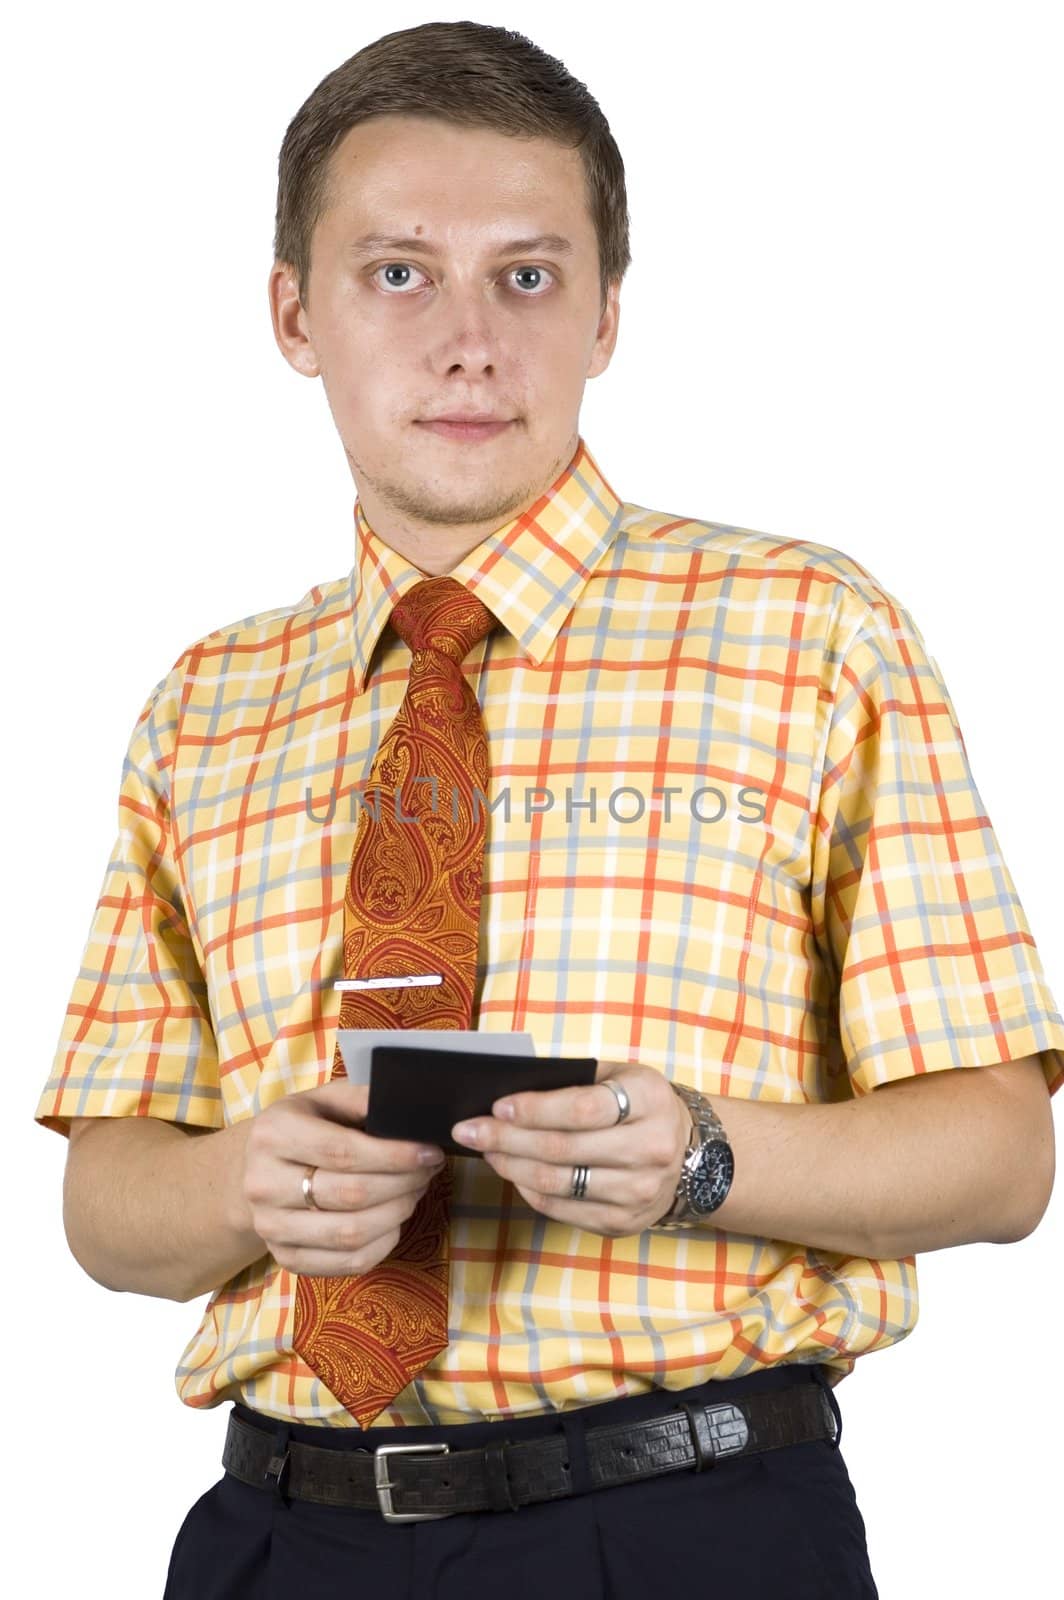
(466, 332)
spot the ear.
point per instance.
(606, 333)
(291, 326)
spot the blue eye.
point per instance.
(537, 270)
(395, 266)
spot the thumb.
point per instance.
(340, 1100)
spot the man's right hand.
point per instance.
(365, 1187)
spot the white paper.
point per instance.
(357, 1043)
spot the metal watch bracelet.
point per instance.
(707, 1133)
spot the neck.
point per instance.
(436, 548)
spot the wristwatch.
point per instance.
(708, 1165)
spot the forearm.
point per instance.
(881, 1176)
(153, 1208)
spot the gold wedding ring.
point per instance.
(308, 1189)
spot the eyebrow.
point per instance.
(370, 242)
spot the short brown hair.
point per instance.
(466, 73)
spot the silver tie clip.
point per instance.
(420, 980)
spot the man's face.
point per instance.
(453, 318)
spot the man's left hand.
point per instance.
(634, 1165)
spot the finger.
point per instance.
(337, 1104)
(630, 1190)
(319, 1128)
(322, 1263)
(360, 1191)
(334, 1242)
(586, 1106)
(554, 1146)
(334, 1148)
(341, 1099)
(610, 1069)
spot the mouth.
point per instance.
(457, 428)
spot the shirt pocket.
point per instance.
(694, 963)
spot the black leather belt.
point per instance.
(410, 1483)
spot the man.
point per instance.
(734, 853)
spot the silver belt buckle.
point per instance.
(384, 1487)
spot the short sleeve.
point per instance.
(913, 906)
(137, 1038)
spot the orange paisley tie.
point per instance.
(412, 905)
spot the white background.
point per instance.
(842, 323)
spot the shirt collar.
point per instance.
(530, 572)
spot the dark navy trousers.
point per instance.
(783, 1523)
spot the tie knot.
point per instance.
(441, 614)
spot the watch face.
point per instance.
(711, 1179)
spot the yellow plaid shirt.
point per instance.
(734, 836)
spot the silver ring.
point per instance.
(624, 1105)
(308, 1189)
(579, 1188)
